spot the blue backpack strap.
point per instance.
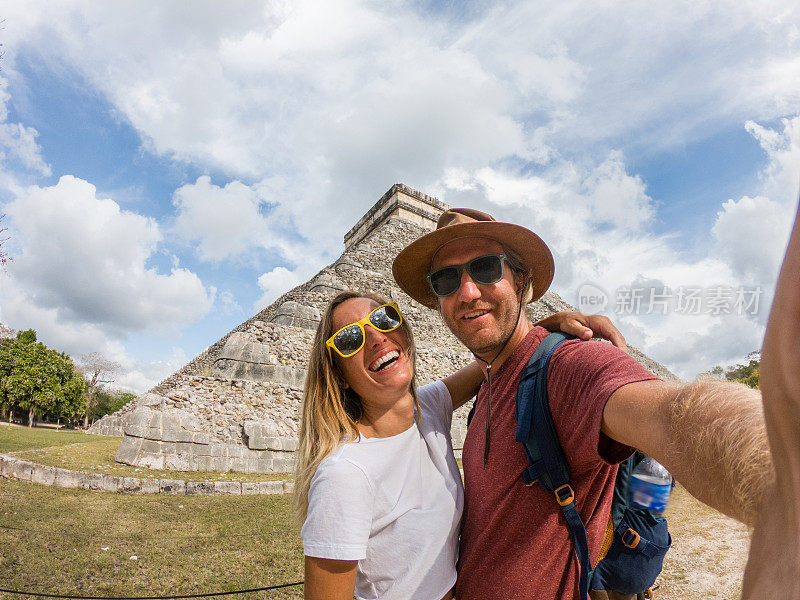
(547, 464)
(622, 487)
(535, 428)
(632, 540)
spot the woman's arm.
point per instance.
(464, 383)
(328, 579)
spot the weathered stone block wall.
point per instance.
(12, 467)
(215, 425)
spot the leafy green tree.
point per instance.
(107, 402)
(746, 374)
(39, 380)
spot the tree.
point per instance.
(746, 374)
(108, 402)
(39, 380)
(97, 371)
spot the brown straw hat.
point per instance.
(413, 264)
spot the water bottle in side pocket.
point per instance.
(650, 486)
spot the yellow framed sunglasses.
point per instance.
(351, 338)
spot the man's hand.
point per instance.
(584, 327)
(773, 568)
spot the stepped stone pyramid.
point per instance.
(237, 405)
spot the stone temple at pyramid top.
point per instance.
(403, 202)
(236, 406)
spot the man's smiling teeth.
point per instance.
(475, 313)
(389, 356)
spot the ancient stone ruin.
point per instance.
(236, 406)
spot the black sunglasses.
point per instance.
(485, 270)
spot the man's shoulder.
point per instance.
(595, 359)
(573, 351)
(578, 350)
(531, 342)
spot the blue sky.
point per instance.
(168, 170)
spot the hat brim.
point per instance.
(412, 265)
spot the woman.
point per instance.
(377, 485)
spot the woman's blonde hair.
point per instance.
(330, 410)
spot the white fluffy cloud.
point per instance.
(139, 376)
(271, 85)
(87, 260)
(751, 233)
(527, 110)
(690, 345)
(747, 243)
(650, 75)
(227, 303)
(315, 92)
(18, 142)
(79, 338)
(19, 309)
(224, 221)
(750, 236)
(274, 283)
(310, 89)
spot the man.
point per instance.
(479, 274)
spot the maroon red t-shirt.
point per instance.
(514, 540)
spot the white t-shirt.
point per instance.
(394, 504)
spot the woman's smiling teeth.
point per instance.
(384, 360)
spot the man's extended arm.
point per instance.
(712, 436)
(709, 434)
(725, 460)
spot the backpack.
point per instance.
(636, 539)
(622, 568)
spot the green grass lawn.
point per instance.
(14, 438)
(83, 543)
(95, 453)
(73, 541)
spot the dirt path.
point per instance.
(708, 553)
